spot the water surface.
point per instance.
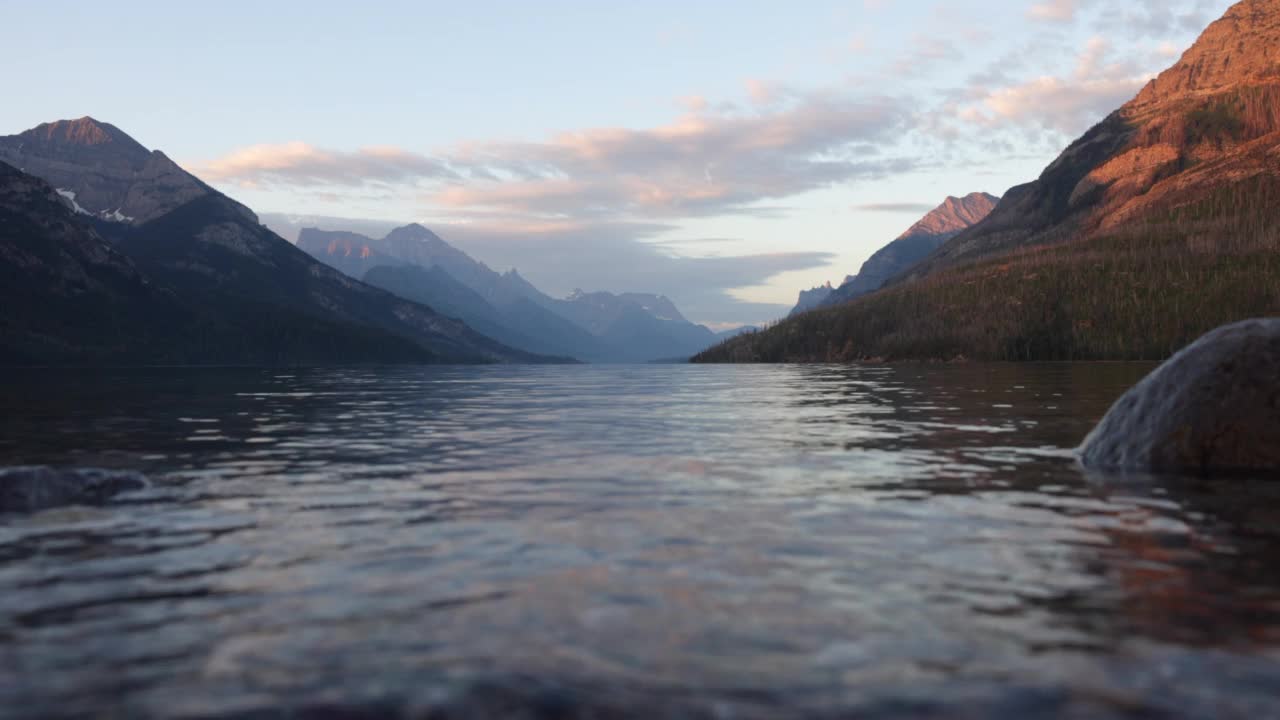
(663, 541)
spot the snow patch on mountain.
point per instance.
(70, 197)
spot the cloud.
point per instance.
(706, 162)
(301, 164)
(926, 51)
(1159, 18)
(1067, 104)
(597, 207)
(1053, 11)
(896, 207)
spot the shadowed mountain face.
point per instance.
(942, 223)
(640, 326)
(212, 254)
(416, 264)
(71, 297)
(810, 299)
(1210, 123)
(356, 255)
(67, 294)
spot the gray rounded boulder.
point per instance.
(1215, 406)
(27, 489)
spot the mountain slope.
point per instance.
(413, 244)
(436, 288)
(640, 326)
(70, 297)
(812, 298)
(211, 252)
(941, 224)
(1207, 123)
(67, 294)
(103, 172)
(1159, 224)
(414, 263)
(598, 327)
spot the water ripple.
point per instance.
(659, 541)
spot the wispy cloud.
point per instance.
(706, 162)
(1054, 10)
(1067, 104)
(896, 207)
(605, 202)
(301, 164)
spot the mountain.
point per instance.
(352, 253)
(102, 172)
(639, 326)
(1208, 124)
(68, 295)
(1159, 224)
(810, 299)
(213, 256)
(521, 323)
(414, 263)
(598, 327)
(71, 297)
(413, 244)
(941, 224)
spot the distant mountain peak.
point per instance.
(414, 230)
(102, 171)
(812, 298)
(85, 132)
(954, 214)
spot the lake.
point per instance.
(624, 541)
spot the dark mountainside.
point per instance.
(812, 298)
(71, 297)
(1159, 224)
(417, 264)
(414, 263)
(261, 300)
(68, 295)
(521, 323)
(944, 222)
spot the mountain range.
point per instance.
(115, 254)
(175, 272)
(415, 263)
(1157, 225)
(811, 298)
(952, 217)
(939, 225)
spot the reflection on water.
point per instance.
(625, 542)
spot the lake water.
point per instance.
(595, 541)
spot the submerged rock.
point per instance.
(1215, 406)
(27, 489)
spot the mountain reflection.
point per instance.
(831, 540)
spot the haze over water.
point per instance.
(624, 541)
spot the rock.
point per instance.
(1215, 406)
(28, 489)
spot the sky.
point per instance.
(724, 153)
